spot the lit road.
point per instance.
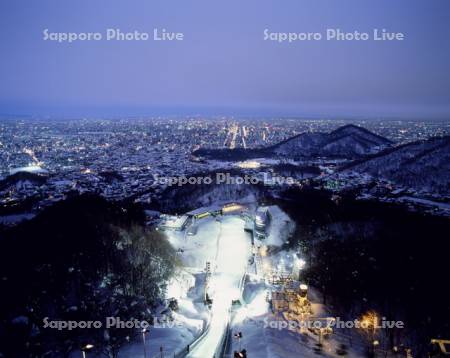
(232, 255)
(234, 132)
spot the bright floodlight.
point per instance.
(300, 263)
(249, 164)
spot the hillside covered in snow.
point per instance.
(347, 142)
(423, 165)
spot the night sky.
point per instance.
(224, 65)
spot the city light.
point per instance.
(250, 164)
(300, 263)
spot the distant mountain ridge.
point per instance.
(349, 142)
(18, 177)
(423, 165)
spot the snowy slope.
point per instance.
(347, 142)
(232, 257)
(423, 165)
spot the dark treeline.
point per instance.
(81, 259)
(372, 255)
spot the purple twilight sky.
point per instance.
(223, 65)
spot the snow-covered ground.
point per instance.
(281, 226)
(223, 242)
(264, 340)
(259, 338)
(176, 333)
(233, 250)
(196, 250)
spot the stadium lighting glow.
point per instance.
(300, 263)
(234, 207)
(263, 251)
(86, 348)
(249, 164)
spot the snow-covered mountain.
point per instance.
(347, 142)
(423, 165)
